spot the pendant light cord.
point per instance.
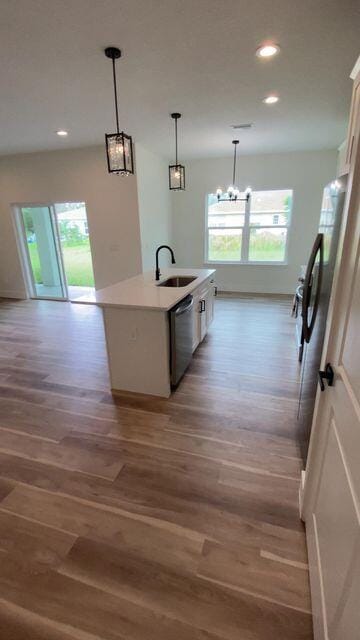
(115, 93)
(176, 142)
(234, 169)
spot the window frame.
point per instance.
(245, 239)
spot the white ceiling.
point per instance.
(192, 56)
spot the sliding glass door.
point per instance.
(44, 264)
(73, 228)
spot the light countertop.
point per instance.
(143, 292)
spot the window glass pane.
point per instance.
(328, 232)
(225, 207)
(75, 243)
(267, 245)
(43, 254)
(263, 219)
(327, 215)
(227, 220)
(225, 244)
(271, 201)
(269, 219)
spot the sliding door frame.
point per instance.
(25, 254)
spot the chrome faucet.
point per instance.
(162, 246)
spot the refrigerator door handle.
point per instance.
(308, 326)
(328, 375)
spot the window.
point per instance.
(327, 220)
(249, 232)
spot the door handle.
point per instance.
(308, 324)
(215, 290)
(328, 375)
(202, 306)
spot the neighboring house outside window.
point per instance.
(72, 221)
(249, 232)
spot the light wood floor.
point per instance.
(147, 519)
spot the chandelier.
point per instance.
(233, 194)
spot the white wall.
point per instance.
(127, 215)
(304, 172)
(154, 205)
(73, 175)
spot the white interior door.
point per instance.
(331, 497)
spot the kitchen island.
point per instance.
(137, 328)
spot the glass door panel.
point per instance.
(43, 258)
(75, 248)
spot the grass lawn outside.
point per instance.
(264, 247)
(271, 253)
(77, 263)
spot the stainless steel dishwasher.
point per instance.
(181, 338)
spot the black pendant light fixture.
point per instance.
(176, 171)
(233, 194)
(119, 146)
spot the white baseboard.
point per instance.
(252, 294)
(18, 295)
(316, 582)
(301, 494)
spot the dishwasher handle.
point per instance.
(183, 308)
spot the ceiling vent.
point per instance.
(247, 125)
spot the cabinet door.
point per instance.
(203, 311)
(196, 321)
(203, 315)
(210, 304)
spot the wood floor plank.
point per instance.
(195, 499)
(242, 437)
(18, 623)
(6, 485)
(174, 547)
(224, 453)
(76, 406)
(218, 610)
(96, 612)
(33, 543)
(141, 518)
(175, 506)
(70, 453)
(249, 571)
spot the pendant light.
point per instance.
(119, 146)
(233, 193)
(176, 171)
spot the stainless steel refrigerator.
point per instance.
(314, 300)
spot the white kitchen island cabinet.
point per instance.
(137, 329)
(203, 310)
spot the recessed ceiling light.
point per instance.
(267, 50)
(271, 99)
(62, 133)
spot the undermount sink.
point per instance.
(177, 281)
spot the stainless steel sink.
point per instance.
(177, 281)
